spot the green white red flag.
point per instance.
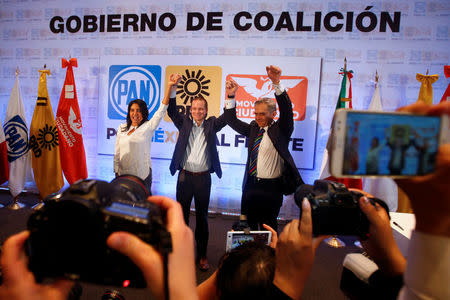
(345, 94)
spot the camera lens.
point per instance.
(112, 295)
(129, 187)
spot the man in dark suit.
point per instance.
(196, 157)
(270, 170)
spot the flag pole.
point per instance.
(40, 204)
(334, 241)
(15, 205)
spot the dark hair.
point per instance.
(142, 108)
(246, 272)
(201, 98)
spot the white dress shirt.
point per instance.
(427, 274)
(269, 163)
(196, 158)
(132, 152)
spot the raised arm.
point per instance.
(153, 123)
(170, 99)
(230, 110)
(286, 120)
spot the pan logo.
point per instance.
(129, 82)
(16, 134)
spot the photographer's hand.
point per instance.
(380, 244)
(18, 282)
(295, 253)
(181, 264)
(431, 217)
(274, 240)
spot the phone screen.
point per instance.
(390, 144)
(239, 239)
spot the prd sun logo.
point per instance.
(48, 137)
(197, 80)
(192, 84)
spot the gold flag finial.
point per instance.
(376, 76)
(17, 71)
(345, 63)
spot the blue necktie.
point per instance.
(254, 153)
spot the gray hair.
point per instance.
(271, 105)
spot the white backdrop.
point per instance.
(414, 42)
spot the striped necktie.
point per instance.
(254, 153)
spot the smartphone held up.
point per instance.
(385, 144)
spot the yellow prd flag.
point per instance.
(425, 95)
(44, 143)
(426, 90)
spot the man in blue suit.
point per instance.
(196, 157)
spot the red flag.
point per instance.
(4, 170)
(68, 120)
(446, 96)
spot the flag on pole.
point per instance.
(446, 96)
(426, 90)
(44, 143)
(426, 96)
(381, 187)
(68, 120)
(344, 101)
(4, 171)
(16, 131)
(345, 95)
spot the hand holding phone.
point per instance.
(237, 238)
(385, 144)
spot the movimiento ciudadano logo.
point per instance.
(129, 82)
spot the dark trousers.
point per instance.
(199, 187)
(148, 182)
(261, 202)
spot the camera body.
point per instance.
(334, 209)
(68, 235)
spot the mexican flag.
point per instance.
(68, 120)
(344, 101)
(44, 143)
(345, 94)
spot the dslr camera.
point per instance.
(334, 209)
(68, 235)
